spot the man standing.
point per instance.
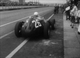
(73, 14)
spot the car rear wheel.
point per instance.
(52, 23)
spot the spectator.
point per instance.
(73, 15)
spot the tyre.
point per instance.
(46, 30)
(18, 27)
(52, 23)
(79, 33)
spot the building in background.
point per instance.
(4, 1)
(21, 1)
(14, 0)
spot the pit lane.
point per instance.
(9, 42)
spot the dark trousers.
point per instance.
(68, 15)
(72, 19)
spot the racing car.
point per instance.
(32, 27)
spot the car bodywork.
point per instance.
(32, 27)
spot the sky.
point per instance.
(49, 1)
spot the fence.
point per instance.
(17, 7)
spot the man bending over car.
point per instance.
(36, 18)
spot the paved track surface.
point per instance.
(13, 47)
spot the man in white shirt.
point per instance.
(73, 14)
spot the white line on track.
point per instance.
(20, 46)
(6, 34)
(16, 49)
(13, 21)
(50, 17)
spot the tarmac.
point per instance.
(71, 40)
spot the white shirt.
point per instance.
(73, 11)
(68, 8)
(78, 13)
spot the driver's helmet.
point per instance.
(36, 14)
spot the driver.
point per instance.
(37, 17)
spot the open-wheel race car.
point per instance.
(32, 27)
